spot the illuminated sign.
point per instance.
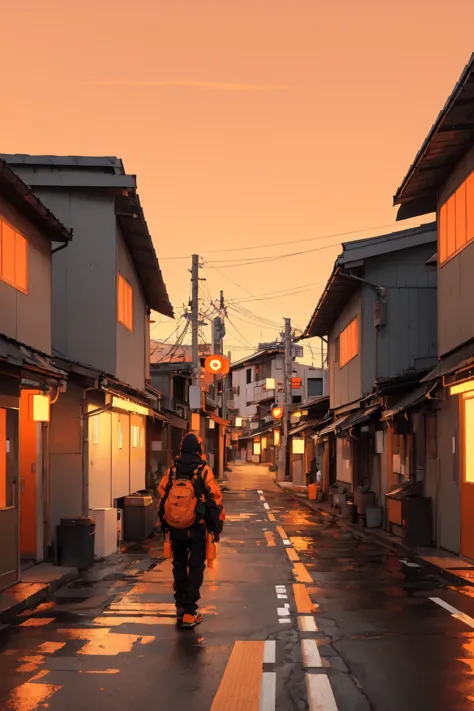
(129, 406)
(238, 422)
(277, 413)
(298, 445)
(270, 384)
(39, 408)
(460, 388)
(257, 448)
(296, 383)
(276, 438)
(216, 365)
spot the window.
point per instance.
(125, 303)
(136, 436)
(315, 387)
(349, 343)
(119, 435)
(249, 376)
(456, 221)
(13, 258)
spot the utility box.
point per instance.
(138, 517)
(76, 538)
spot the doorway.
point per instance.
(9, 552)
(31, 482)
(467, 485)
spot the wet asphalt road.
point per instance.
(110, 640)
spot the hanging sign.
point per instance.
(217, 365)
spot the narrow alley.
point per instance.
(299, 613)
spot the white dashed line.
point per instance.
(269, 652)
(284, 611)
(286, 542)
(266, 506)
(307, 623)
(320, 694)
(283, 620)
(259, 491)
(311, 656)
(268, 692)
(457, 614)
(262, 498)
(282, 596)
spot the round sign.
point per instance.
(216, 365)
(277, 413)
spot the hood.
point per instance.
(187, 463)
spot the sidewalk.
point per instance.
(448, 565)
(37, 583)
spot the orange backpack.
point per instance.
(180, 500)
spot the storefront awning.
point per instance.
(359, 418)
(449, 364)
(159, 416)
(407, 401)
(28, 359)
(218, 420)
(333, 426)
(303, 427)
(262, 431)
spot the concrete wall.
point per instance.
(345, 384)
(65, 461)
(131, 357)
(27, 317)
(85, 279)
(120, 455)
(449, 515)
(456, 285)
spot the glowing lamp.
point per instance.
(277, 413)
(257, 448)
(212, 425)
(298, 445)
(276, 438)
(216, 365)
(195, 421)
(270, 384)
(39, 408)
(264, 442)
(238, 422)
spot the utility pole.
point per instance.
(195, 318)
(284, 449)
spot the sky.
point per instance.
(247, 123)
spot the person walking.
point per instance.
(191, 508)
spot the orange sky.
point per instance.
(247, 122)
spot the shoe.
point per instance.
(190, 621)
(179, 613)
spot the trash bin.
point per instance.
(138, 517)
(76, 538)
(313, 491)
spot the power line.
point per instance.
(240, 287)
(240, 334)
(296, 241)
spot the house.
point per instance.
(305, 444)
(441, 180)
(104, 289)
(257, 387)
(378, 312)
(30, 237)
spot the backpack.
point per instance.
(182, 496)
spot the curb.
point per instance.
(446, 574)
(41, 595)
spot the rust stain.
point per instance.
(103, 642)
(28, 696)
(50, 647)
(37, 622)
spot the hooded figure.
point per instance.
(188, 544)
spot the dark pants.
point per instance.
(189, 562)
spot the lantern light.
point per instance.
(257, 448)
(277, 413)
(39, 408)
(276, 438)
(217, 365)
(238, 422)
(298, 445)
(270, 384)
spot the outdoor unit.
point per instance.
(105, 531)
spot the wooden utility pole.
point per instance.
(195, 318)
(284, 448)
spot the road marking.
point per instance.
(310, 652)
(292, 554)
(259, 491)
(320, 694)
(266, 506)
(270, 538)
(301, 574)
(241, 685)
(269, 652)
(302, 599)
(284, 619)
(409, 564)
(268, 692)
(282, 596)
(262, 498)
(271, 517)
(280, 588)
(307, 623)
(282, 533)
(286, 542)
(284, 611)
(457, 614)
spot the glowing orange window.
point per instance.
(443, 247)
(451, 226)
(349, 342)
(13, 257)
(470, 207)
(125, 303)
(460, 216)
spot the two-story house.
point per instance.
(441, 180)
(378, 312)
(257, 387)
(29, 380)
(104, 289)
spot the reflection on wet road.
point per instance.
(299, 614)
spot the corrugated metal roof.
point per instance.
(128, 210)
(449, 139)
(407, 401)
(461, 358)
(23, 356)
(15, 191)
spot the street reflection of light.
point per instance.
(37, 622)
(29, 696)
(30, 663)
(145, 620)
(101, 642)
(50, 647)
(468, 660)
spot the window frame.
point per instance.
(121, 315)
(342, 346)
(25, 243)
(463, 190)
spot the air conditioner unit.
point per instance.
(105, 531)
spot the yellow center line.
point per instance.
(301, 573)
(270, 538)
(241, 684)
(282, 532)
(292, 554)
(302, 600)
(271, 517)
